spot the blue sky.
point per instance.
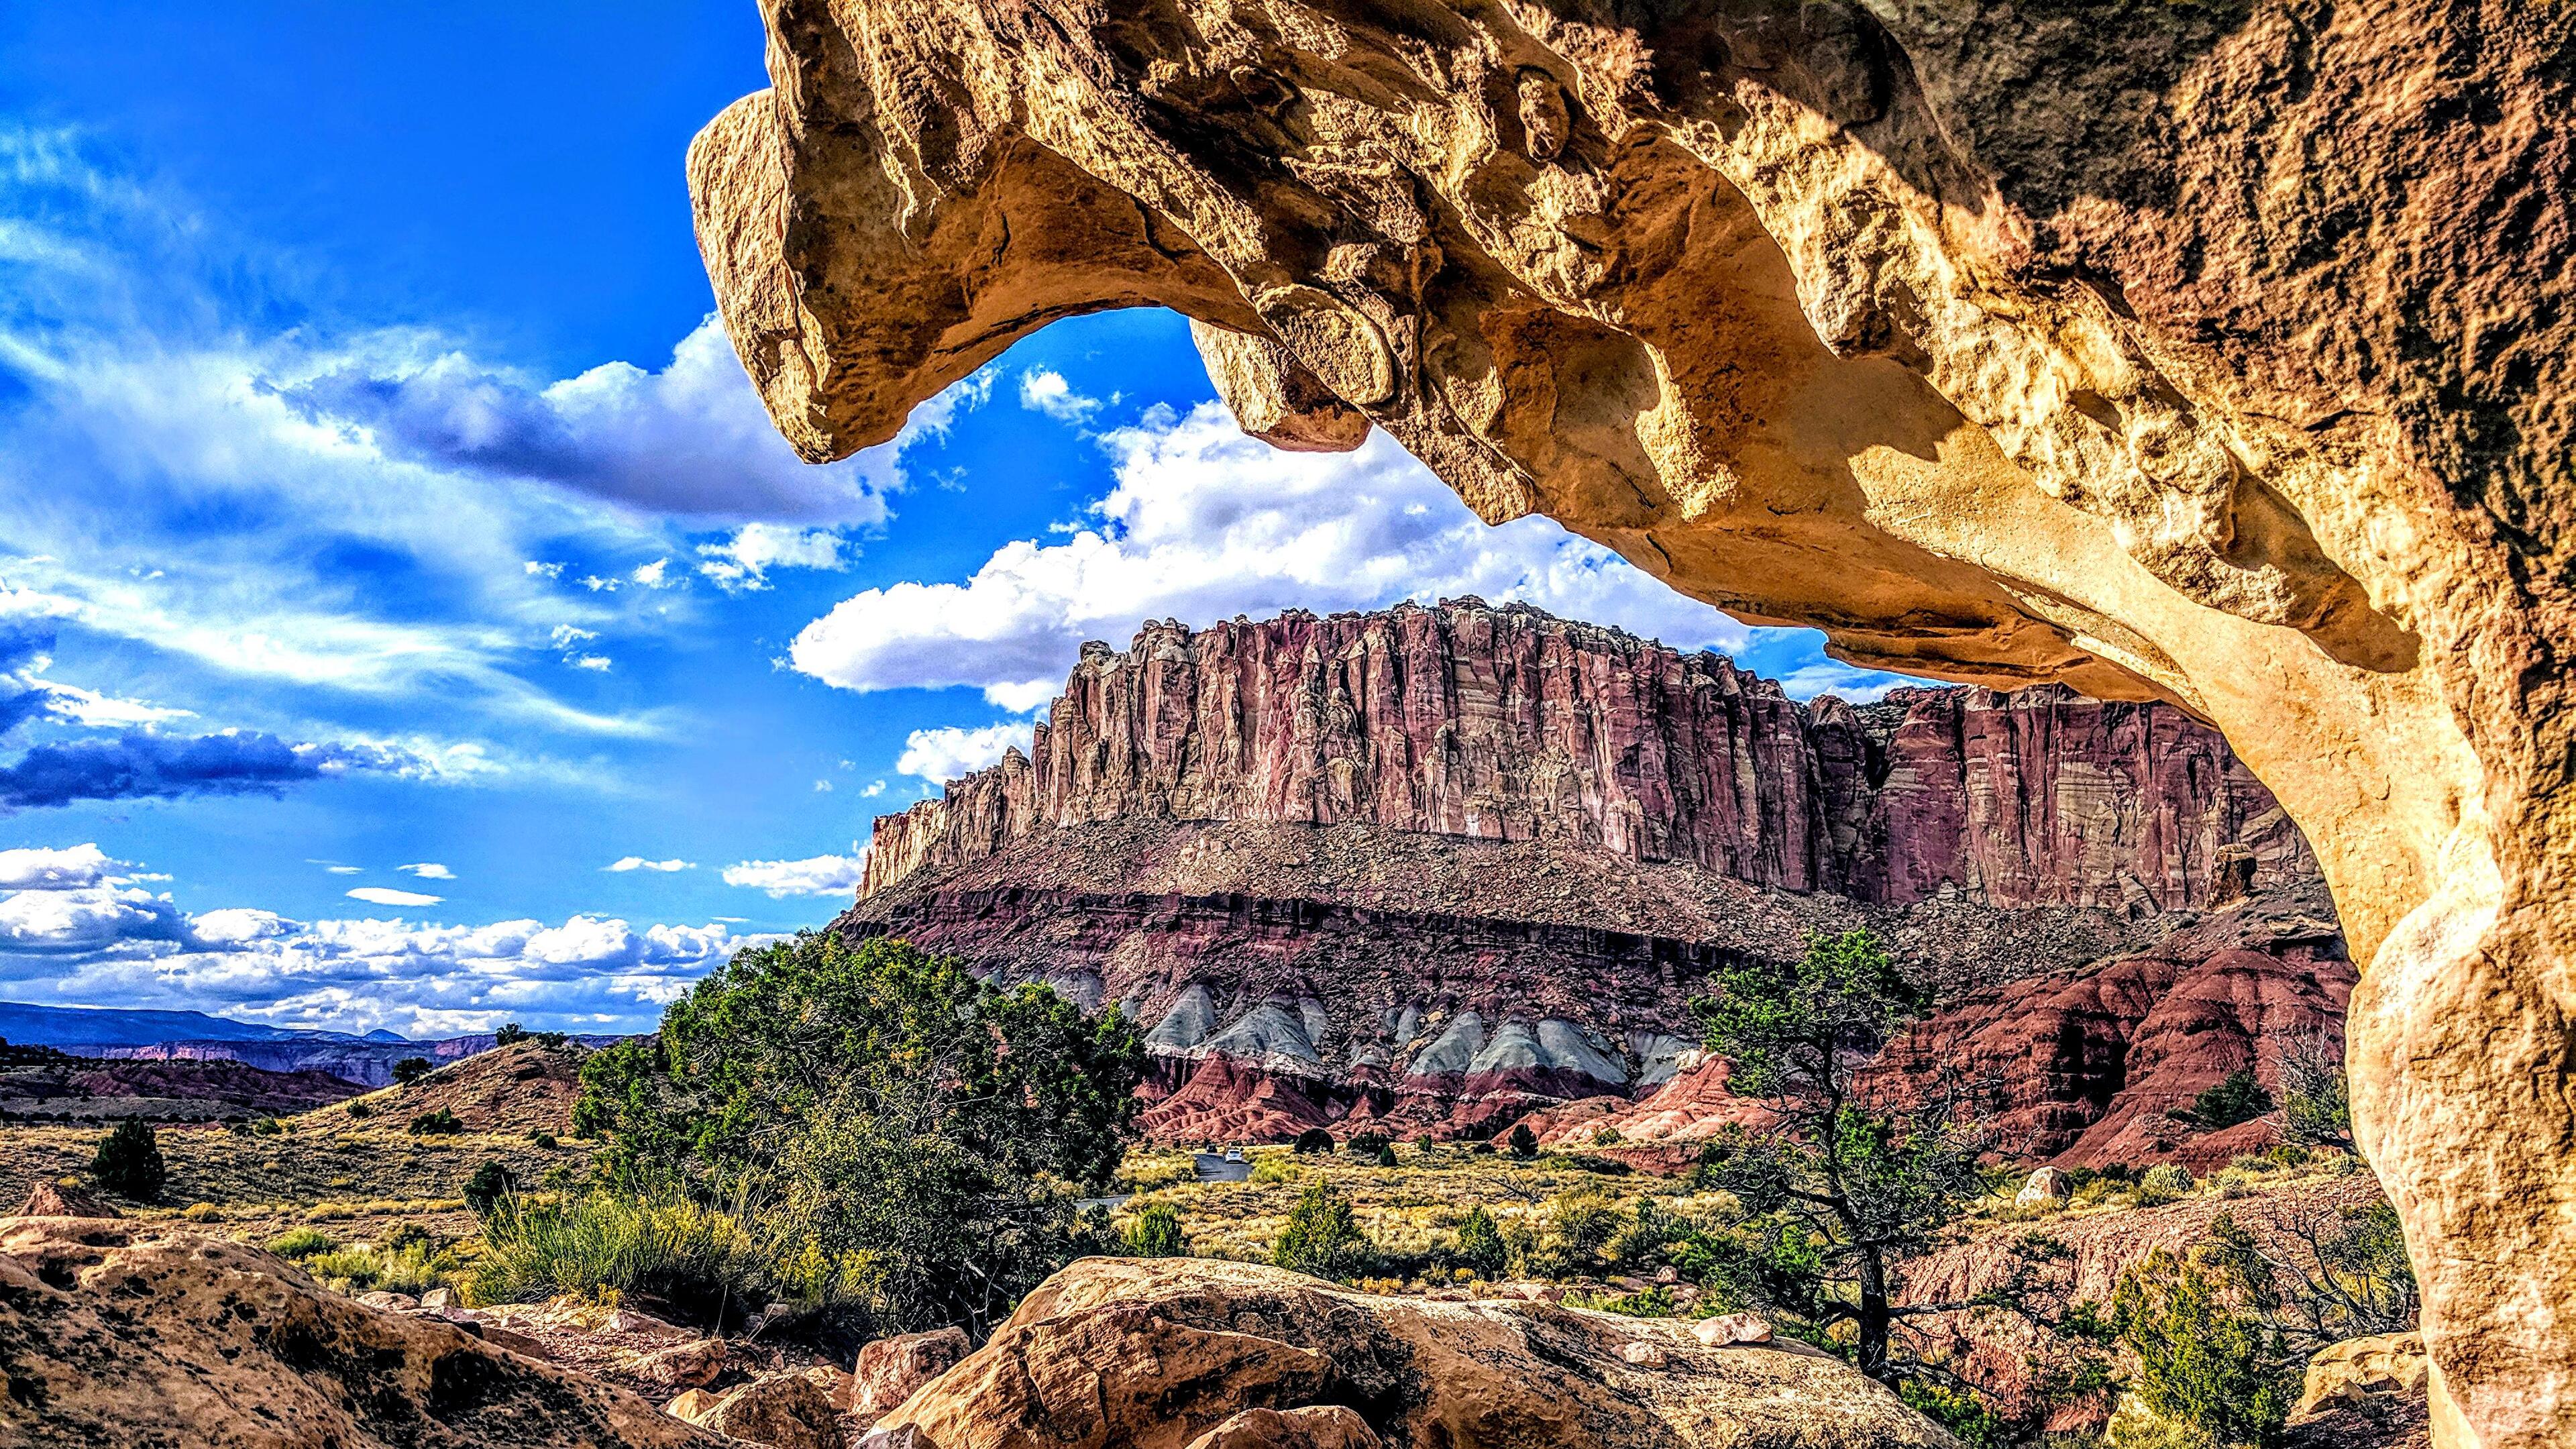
(391, 548)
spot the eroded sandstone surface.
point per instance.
(1200, 1354)
(2218, 354)
(114, 1332)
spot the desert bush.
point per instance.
(440, 1123)
(509, 1034)
(2291, 1154)
(1605, 1137)
(359, 1108)
(489, 1187)
(2165, 1182)
(1965, 1415)
(129, 1163)
(2202, 1359)
(1145, 1172)
(1386, 1156)
(1655, 1302)
(1523, 1142)
(1155, 1232)
(2316, 1100)
(2238, 1098)
(543, 1139)
(1274, 1169)
(917, 1140)
(1480, 1244)
(301, 1243)
(1313, 1141)
(658, 1247)
(1367, 1145)
(414, 1268)
(1321, 1237)
(410, 1070)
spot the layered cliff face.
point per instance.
(1438, 867)
(1510, 725)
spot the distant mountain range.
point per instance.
(105, 1026)
(184, 1036)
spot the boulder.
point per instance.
(2047, 1185)
(1328, 1426)
(2388, 1363)
(55, 1200)
(786, 1411)
(1163, 1353)
(889, 1369)
(389, 1301)
(126, 1333)
(689, 1365)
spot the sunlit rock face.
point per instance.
(2216, 353)
(1429, 869)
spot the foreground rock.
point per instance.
(890, 1369)
(2215, 353)
(120, 1333)
(1139, 1354)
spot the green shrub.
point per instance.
(914, 1142)
(2316, 1099)
(553, 1041)
(489, 1187)
(1523, 1142)
(656, 1247)
(128, 1162)
(509, 1034)
(1386, 1156)
(1367, 1145)
(2237, 1099)
(359, 1108)
(410, 1070)
(1274, 1169)
(1962, 1413)
(2165, 1182)
(413, 1268)
(1605, 1137)
(1480, 1244)
(1321, 1237)
(1156, 1233)
(301, 1243)
(266, 1126)
(2202, 1360)
(441, 1123)
(2291, 1154)
(1655, 1302)
(1314, 1141)
(542, 1139)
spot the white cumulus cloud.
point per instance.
(818, 875)
(1044, 390)
(943, 754)
(74, 867)
(1205, 523)
(637, 862)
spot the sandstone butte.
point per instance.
(2213, 354)
(1429, 868)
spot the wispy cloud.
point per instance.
(386, 896)
(637, 862)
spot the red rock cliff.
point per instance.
(1509, 724)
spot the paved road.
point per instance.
(1214, 1168)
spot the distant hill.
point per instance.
(104, 1026)
(525, 1087)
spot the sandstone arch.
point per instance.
(2218, 352)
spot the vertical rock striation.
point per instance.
(1506, 724)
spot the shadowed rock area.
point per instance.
(2217, 354)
